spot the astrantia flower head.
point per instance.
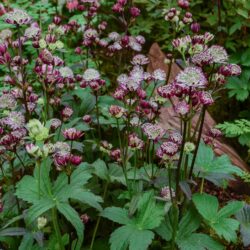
(14, 120)
(168, 149)
(115, 154)
(175, 137)
(182, 108)
(17, 17)
(91, 75)
(7, 101)
(218, 53)
(37, 130)
(66, 72)
(192, 77)
(230, 70)
(205, 98)
(116, 111)
(32, 32)
(153, 131)
(72, 134)
(67, 112)
(189, 147)
(181, 44)
(135, 142)
(140, 60)
(55, 123)
(166, 91)
(159, 75)
(203, 58)
(165, 193)
(136, 75)
(61, 148)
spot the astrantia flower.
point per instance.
(181, 44)
(181, 108)
(32, 32)
(61, 148)
(135, 142)
(136, 75)
(215, 133)
(205, 98)
(166, 91)
(189, 147)
(140, 60)
(55, 123)
(116, 111)
(230, 70)
(218, 53)
(175, 137)
(37, 130)
(14, 120)
(115, 154)
(153, 131)
(67, 112)
(169, 148)
(203, 58)
(165, 193)
(114, 36)
(159, 75)
(87, 119)
(33, 150)
(7, 101)
(191, 77)
(91, 75)
(17, 17)
(72, 134)
(90, 34)
(66, 72)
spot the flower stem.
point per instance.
(202, 186)
(99, 218)
(97, 117)
(56, 228)
(203, 112)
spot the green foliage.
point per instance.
(218, 219)
(243, 216)
(136, 230)
(186, 237)
(57, 195)
(239, 128)
(215, 169)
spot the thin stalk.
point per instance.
(99, 218)
(170, 184)
(19, 158)
(39, 178)
(14, 184)
(202, 186)
(203, 112)
(180, 159)
(57, 228)
(97, 117)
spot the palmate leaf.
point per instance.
(149, 213)
(136, 230)
(129, 235)
(243, 216)
(117, 214)
(207, 205)
(198, 241)
(212, 168)
(40, 207)
(72, 216)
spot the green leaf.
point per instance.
(13, 231)
(101, 169)
(243, 216)
(40, 207)
(242, 12)
(72, 216)
(130, 236)
(27, 242)
(87, 198)
(198, 241)
(165, 230)
(116, 214)
(207, 205)
(150, 214)
(189, 223)
(226, 228)
(231, 208)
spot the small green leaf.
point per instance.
(116, 214)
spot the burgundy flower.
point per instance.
(116, 111)
(182, 108)
(67, 112)
(205, 98)
(230, 70)
(134, 11)
(75, 159)
(135, 142)
(72, 134)
(115, 154)
(87, 119)
(183, 4)
(195, 27)
(85, 218)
